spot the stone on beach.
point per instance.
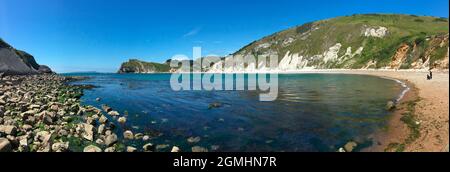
(92, 148)
(175, 149)
(149, 147)
(8, 129)
(128, 135)
(390, 105)
(110, 139)
(113, 113)
(103, 119)
(5, 145)
(122, 120)
(131, 149)
(350, 146)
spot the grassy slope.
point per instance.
(148, 65)
(348, 31)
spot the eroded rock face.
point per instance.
(378, 32)
(14, 61)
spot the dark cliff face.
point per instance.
(16, 62)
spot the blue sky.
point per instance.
(98, 35)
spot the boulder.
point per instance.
(149, 147)
(92, 148)
(390, 105)
(128, 135)
(113, 113)
(350, 146)
(106, 108)
(175, 149)
(110, 139)
(103, 119)
(122, 120)
(8, 129)
(131, 149)
(5, 145)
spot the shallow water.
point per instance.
(313, 112)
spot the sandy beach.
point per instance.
(431, 111)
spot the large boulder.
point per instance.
(5, 145)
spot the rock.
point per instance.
(54, 107)
(160, 147)
(34, 106)
(131, 149)
(145, 138)
(90, 120)
(43, 136)
(113, 113)
(110, 139)
(63, 133)
(60, 147)
(138, 136)
(27, 127)
(92, 148)
(110, 149)
(350, 146)
(122, 120)
(5, 145)
(149, 147)
(128, 135)
(390, 106)
(99, 142)
(47, 119)
(175, 149)
(8, 129)
(88, 133)
(199, 149)
(214, 105)
(103, 119)
(193, 139)
(101, 129)
(106, 108)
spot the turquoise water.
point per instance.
(313, 112)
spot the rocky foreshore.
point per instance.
(42, 113)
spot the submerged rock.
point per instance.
(199, 149)
(193, 139)
(122, 120)
(350, 146)
(106, 108)
(390, 105)
(214, 105)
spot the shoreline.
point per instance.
(415, 100)
(430, 111)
